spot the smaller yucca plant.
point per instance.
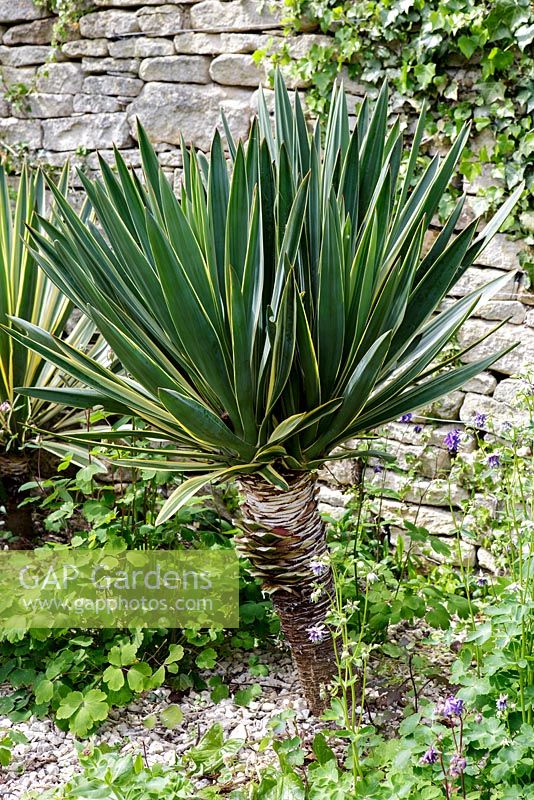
(27, 292)
(279, 307)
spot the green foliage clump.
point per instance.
(472, 59)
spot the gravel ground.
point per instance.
(49, 758)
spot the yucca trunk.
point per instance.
(283, 536)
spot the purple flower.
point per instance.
(502, 702)
(377, 468)
(316, 633)
(481, 580)
(5, 407)
(317, 568)
(494, 461)
(452, 440)
(479, 419)
(453, 707)
(457, 765)
(418, 428)
(430, 757)
(407, 417)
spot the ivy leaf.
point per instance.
(524, 36)
(171, 716)
(468, 45)
(425, 74)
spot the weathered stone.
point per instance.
(13, 75)
(434, 493)
(430, 462)
(113, 85)
(44, 106)
(529, 318)
(166, 110)
(332, 497)
(351, 86)
(163, 20)
(170, 158)
(501, 252)
(339, 472)
(146, 47)
(446, 407)
(512, 310)
(507, 335)
(180, 69)
(435, 520)
(499, 414)
(37, 32)
(483, 383)
(526, 295)
(93, 104)
(125, 3)
(20, 11)
(123, 48)
(141, 47)
(24, 56)
(240, 15)
(106, 24)
(487, 560)
(87, 130)
(60, 79)
(234, 69)
(217, 43)
(511, 390)
(15, 131)
(475, 278)
(111, 65)
(98, 48)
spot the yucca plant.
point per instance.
(27, 292)
(280, 306)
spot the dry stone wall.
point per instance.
(173, 66)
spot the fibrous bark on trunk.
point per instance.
(283, 536)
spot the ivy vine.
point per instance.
(471, 59)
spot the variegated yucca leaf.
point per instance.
(28, 293)
(280, 305)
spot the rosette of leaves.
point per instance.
(26, 291)
(277, 308)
